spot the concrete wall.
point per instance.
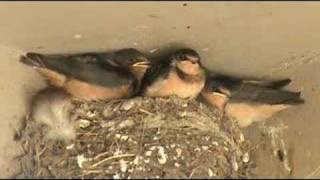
(278, 39)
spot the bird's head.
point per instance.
(186, 60)
(215, 86)
(132, 60)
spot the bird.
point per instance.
(92, 75)
(52, 107)
(248, 100)
(179, 74)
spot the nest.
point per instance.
(136, 138)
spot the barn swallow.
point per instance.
(51, 107)
(180, 74)
(249, 101)
(93, 76)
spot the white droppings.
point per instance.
(225, 148)
(71, 146)
(126, 123)
(179, 152)
(241, 138)
(123, 165)
(205, 148)
(139, 168)
(177, 164)
(116, 176)
(148, 153)
(91, 114)
(108, 124)
(225, 143)
(245, 157)
(146, 161)
(124, 138)
(80, 160)
(83, 123)
(210, 172)
(162, 159)
(127, 105)
(235, 164)
(197, 149)
(173, 145)
(215, 143)
(156, 138)
(183, 114)
(118, 136)
(136, 160)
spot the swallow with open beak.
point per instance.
(93, 76)
(249, 101)
(180, 74)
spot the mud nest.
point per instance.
(136, 138)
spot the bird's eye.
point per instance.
(179, 56)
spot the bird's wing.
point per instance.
(259, 94)
(87, 67)
(159, 69)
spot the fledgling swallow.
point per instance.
(52, 107)
(249, 101)
(93, 76)
(180, 74)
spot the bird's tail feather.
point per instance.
(279, 84)
(293, 98)
(33, 59)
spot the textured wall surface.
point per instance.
(278, 39)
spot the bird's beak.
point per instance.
(219, 94)
(142, 64)
(192, 58)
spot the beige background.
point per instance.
(278, 39)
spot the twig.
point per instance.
(101, 154)
(39, 172)
(110, 158)
(141, 141)
(38, 154)
(87, 172)
(42, 151)
(192, 172)
(88, 134)
(142, 136)
(145, 111)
